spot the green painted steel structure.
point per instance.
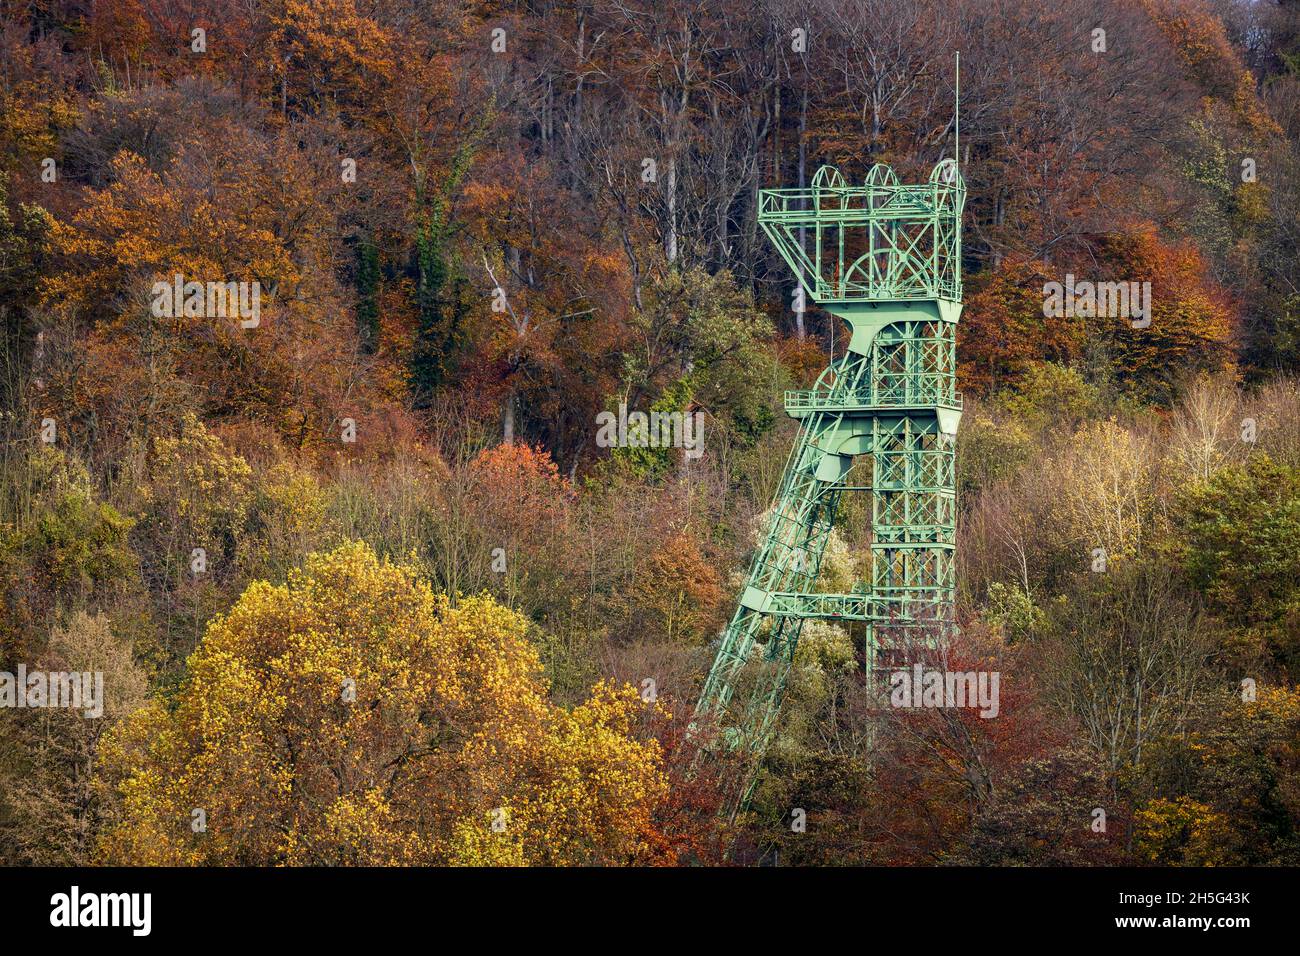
(886, 258)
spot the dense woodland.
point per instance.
(493, 587)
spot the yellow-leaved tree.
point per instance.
(353, 716)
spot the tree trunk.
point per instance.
(799, 329)
(670, 228)
(508, 419)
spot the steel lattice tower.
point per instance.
(885, 258)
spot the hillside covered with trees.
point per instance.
(362, 581)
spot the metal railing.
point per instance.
(881, 240)
(912, 393)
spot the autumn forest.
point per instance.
(361, 579)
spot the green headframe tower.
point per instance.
(886, 258)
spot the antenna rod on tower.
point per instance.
(957, 109)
